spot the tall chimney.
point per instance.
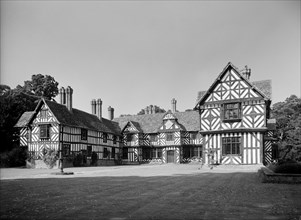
(99, 109)
(154, 109)
(93, 105)
(173, 105)
(111, 113)
(246, 72)
(69, 92)
(151, 109)
(62, 96)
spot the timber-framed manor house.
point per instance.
(229, 124)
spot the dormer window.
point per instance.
(232, 112)
(169, 137)
(153, 138)
(130, 137)
(43, 113)
(193, 136)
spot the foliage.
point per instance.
(14, 102)
(288, 167)
(50, 157)
(290, 153)
(94, 158)
(69, 158)
(288, 125)
(14, 158)
(43, 86)
(78, 160)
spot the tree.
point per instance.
(151, 108)
(40, 85)
(288, 125)
(14, 102)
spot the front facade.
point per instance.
(230, 124)
(171, 137)
(234, 114)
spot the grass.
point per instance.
(199, 196)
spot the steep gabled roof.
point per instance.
(82, 119)
(25, 119)
(265, 86)
(257, 86)
(136, 125)
(76, 118)
(150, 123)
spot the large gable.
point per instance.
(230, 85)
(132, 127)
(170, 123)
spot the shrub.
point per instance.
(78, 160)
(288, 167)
(50, 157)
(94, 158)
(14, 158)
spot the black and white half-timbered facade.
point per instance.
(234, 114)
(171, 137)
(68, 130)
(231, 120)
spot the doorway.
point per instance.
(170, 156)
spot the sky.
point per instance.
(132, 54)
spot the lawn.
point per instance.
(195, 196)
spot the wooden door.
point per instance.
(170, 156)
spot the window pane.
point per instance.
(153, 153)
(195, 151)
(169, 137)
(105, 137)
(159, 151)
(130, 137)
(228, 148)
(44, 131)
(89, 151)
(231, 111)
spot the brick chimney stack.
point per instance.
(151, 109)
(62, 96)
(110, 113)
(154, 109)
(93, 105)
(69, 92)
(99, 108)
(246, 72)
(173, 105)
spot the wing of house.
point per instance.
(69, 130)
(234, 113)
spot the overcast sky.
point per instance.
(132, 54)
